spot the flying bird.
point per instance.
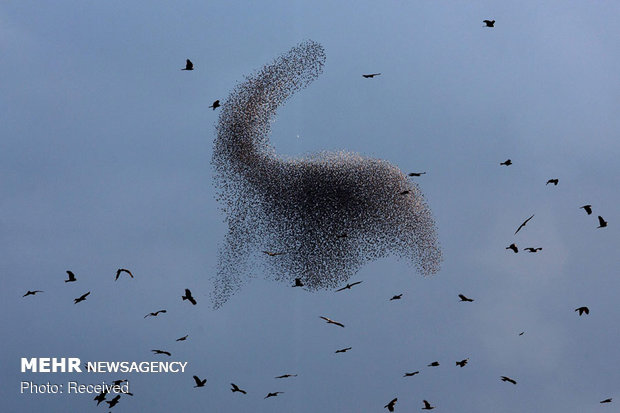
(121, 270)
(521, 333)
(199, 383)
(530, 249)
(274, 394)
(371, 75)
(329, 321)
(601, 222)
(405, 192)
(188, 296)
(274, 254)
(396, 297)
(416, 173)
(344, 350)
(489, 23)
(427, 405)
(606, 400)
(298, 283)
(32, 292)
(236, 388)
(433, 364)
(587, 208)
(390, 405)
(508, 379)
(507, 162)
(215, 104)
(463, 298)
(582, 310)
(284, 376)
(513, 247)
(182, 338)
(167, 353)
(81, 298)
(100, 397)
(188, 65)
(553, 181)
(71, 277)
(154, 314)
(114, 401)
(348, 286)
(523, 224)
(462, 363)
(411, 374)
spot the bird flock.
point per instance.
(310, 222)
(320, 217)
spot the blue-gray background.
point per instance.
(104, 163)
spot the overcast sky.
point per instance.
(105, 163)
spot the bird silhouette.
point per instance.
(433, 364)
(32, 292)
(463, 298)
(155, 313)
(390, 405)
(188, 296)
(606, 400)
(285, 376)
(601, 222)
(199, 383)
(507, 162)
(582, 310)
(523, 224)
(236, 388)
(167, 353)
(188, 65)
(371, 75)
(587, 208)
(274, 254)
(411, 374)
(329, 321)
(274, 394)
(215, 105)
(81, 298)
(121, 270)
(530, 249)
(396, 297)
(553, 181)
(182, 338)
(298, 283)
(513, 247)
(427, 405)
(508, 379)
(462, 363)
(114, 401)
(489, 23)
(348, 286)
(100, 397)
(344, 350)
(416, 173)
(521, 333)
(71, 277)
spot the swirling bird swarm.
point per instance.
(327, 213)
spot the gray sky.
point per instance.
(105, 163)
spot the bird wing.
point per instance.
(426, 404)
(601, 221)
(192, 300)
(197, 380)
